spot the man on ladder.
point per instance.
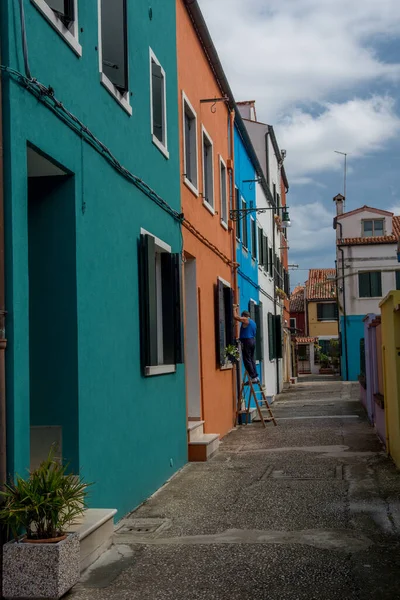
(248, 331)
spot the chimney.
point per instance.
(339, 201)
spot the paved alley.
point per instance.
(307, 510)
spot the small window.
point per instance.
(253, 230)
(293, 323)
(224, 204)
(397, 280)
(327, 311)
(225, 331)
(208, 170)
(270, 263)
(160, 307)
(245, 235)
(114, 53)
(370, 284)
(62, 15)
(260, 247)
(158, 104)
(190, 144)
(372, 227)
(64, 10)
(238, 219)
(274, 336)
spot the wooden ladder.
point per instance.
(254, 395)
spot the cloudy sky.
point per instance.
(326, 75)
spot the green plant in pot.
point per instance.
(43, 560)
(231, 353)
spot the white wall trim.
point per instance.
(222, 163)
(160, 370)
(204, 132)
(163, 147)
(159, 243)
(190, 185)
(71, 37)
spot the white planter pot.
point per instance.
(45, 571)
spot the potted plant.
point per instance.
(231, 353)
(325, 363)
(42, 561)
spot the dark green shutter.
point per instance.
(178, 309)
(278, 336)
(239, 221)
(260, 247)
(252, 310)
(265, 243)
(229, 320)
(271, 266)
(148, 302)
(259, 335)
(220, 323)
(397, 280)
(271, 336)
(363, 285)
(376, 284)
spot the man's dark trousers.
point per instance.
(248, 350)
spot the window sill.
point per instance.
(370, 298)
(110, 87)
(208, 206)
(226, 367)
(160, 370)
(191, 187)
(160, 146)
(327, 320)
(224, 225)
(57, 24)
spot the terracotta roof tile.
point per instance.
(297, 300)
(378, 239)
(321, 284)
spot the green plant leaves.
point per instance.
(46, 503)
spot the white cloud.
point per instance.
(312, 228)
(358, 127)
(286, 52)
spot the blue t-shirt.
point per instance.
(249, 331)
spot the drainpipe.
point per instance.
(236, 370)
(344, 305)
(3, 341)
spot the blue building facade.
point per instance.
(246, 234)
(90, 245)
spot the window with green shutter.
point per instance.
(239, 221)
(253, 231)
(271, 336)
(270, 263)
(224, 321)
(161, 331)
(258, 318)
(260, 247)
(370, 284)
(266, 261)
(278, 336)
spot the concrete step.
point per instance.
(203, 448)
(96, 531)
(195, 430)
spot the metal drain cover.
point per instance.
(141, 529)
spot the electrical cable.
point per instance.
(24, 40)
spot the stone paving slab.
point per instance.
(306, 510)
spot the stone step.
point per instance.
(95, 530)
(195, 430)
(203, 448)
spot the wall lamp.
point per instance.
(238, 214)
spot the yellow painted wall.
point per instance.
(318, 328)
(391, 371)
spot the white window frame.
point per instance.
(222, 163)
(163, 148)
(187, 182)
(204, 133)
(71, 36)
(122, 99)
(159, 369)
(373, 234)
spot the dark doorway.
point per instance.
(52, 310)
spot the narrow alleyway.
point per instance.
(307, 510)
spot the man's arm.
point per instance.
(237, 317)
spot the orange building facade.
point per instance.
(206, 168)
